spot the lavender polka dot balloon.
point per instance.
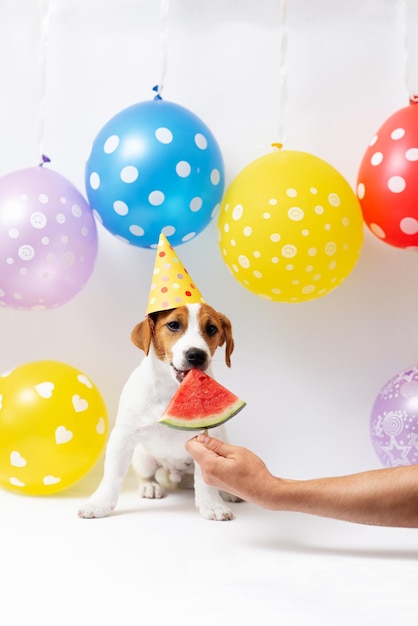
(48, 240)
(155, 167)
(394, 420)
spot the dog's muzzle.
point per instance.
(194, 358)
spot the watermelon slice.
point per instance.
(200, 402)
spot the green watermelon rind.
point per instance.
(204, 422)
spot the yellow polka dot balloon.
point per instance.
(53, 427)
(290, 227)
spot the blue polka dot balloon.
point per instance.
(155, 167)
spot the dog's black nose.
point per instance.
(196, 357)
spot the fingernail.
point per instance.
(203, 438)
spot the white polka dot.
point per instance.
(45, 241)
(319, 209)
(256, 254)
(398, 133)
(296, 214)
(120, 207)
(63, 200)
(345, 221)
(38, 220)
(237, 212)
(376, 159)
(164, 135)
(60, 218)
(305, 232)
(76, 210)
(9, 261)
(26, 252)
(201, 141)
(312, 251)
(289, 251)
(409, 226)
(136, 230)
(111, 144)
(290, 267)
(266, 216)
(292, 193)
(313, 190)
(156, 198)
(226, 228)
(183, 169)
(196, 204)
(411, 154)
(13, 233)
(330, 248)
(94, 181)
(129, 174)
(377, 230)
(244, 261)
(309, 268)
(308, 289)
(247, 231)
(215, 177)
(43, 198)
(257, 274)
(332, 265)
(168, 230)
(334, 199)
(373, 140)
(361, 190)
(275, 259)
(275, 237)
(396, 184)
(273, 201)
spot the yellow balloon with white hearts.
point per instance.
(53, 427)
(290, 227)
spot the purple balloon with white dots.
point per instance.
(48, 240)
(394, 420)
(155, 167)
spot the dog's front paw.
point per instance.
(151, 490)
(229, 497)
(216, 511)
(96, 508)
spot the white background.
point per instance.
(309, 372)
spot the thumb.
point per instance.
(215, 445)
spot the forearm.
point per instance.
(386, 497)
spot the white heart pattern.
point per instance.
(45, 389)
(100, 426)
(62, 435)
(79, 404)
(85, 381)
(17, 460)
(51, 480)
(16, 482)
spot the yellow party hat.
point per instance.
(171, 286)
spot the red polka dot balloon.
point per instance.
(387, 184)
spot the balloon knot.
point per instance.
(45, 159)
(156, 88)
(413, 99)
(277, 145)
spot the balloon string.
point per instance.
(283, 73)
(164, 10)
(410, 23)
(42, 73)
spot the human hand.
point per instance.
(231, 468)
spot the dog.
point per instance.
(174, 341)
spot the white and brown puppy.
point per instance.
(174, 341)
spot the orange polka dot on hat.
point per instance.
(172, 285)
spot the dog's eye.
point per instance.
(174, 326)
(211, 330)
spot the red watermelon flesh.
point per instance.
(200, 402)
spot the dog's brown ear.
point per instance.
(142, 334)
(226, 338)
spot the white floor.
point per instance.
(158, 562)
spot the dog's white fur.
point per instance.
(173, 342)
